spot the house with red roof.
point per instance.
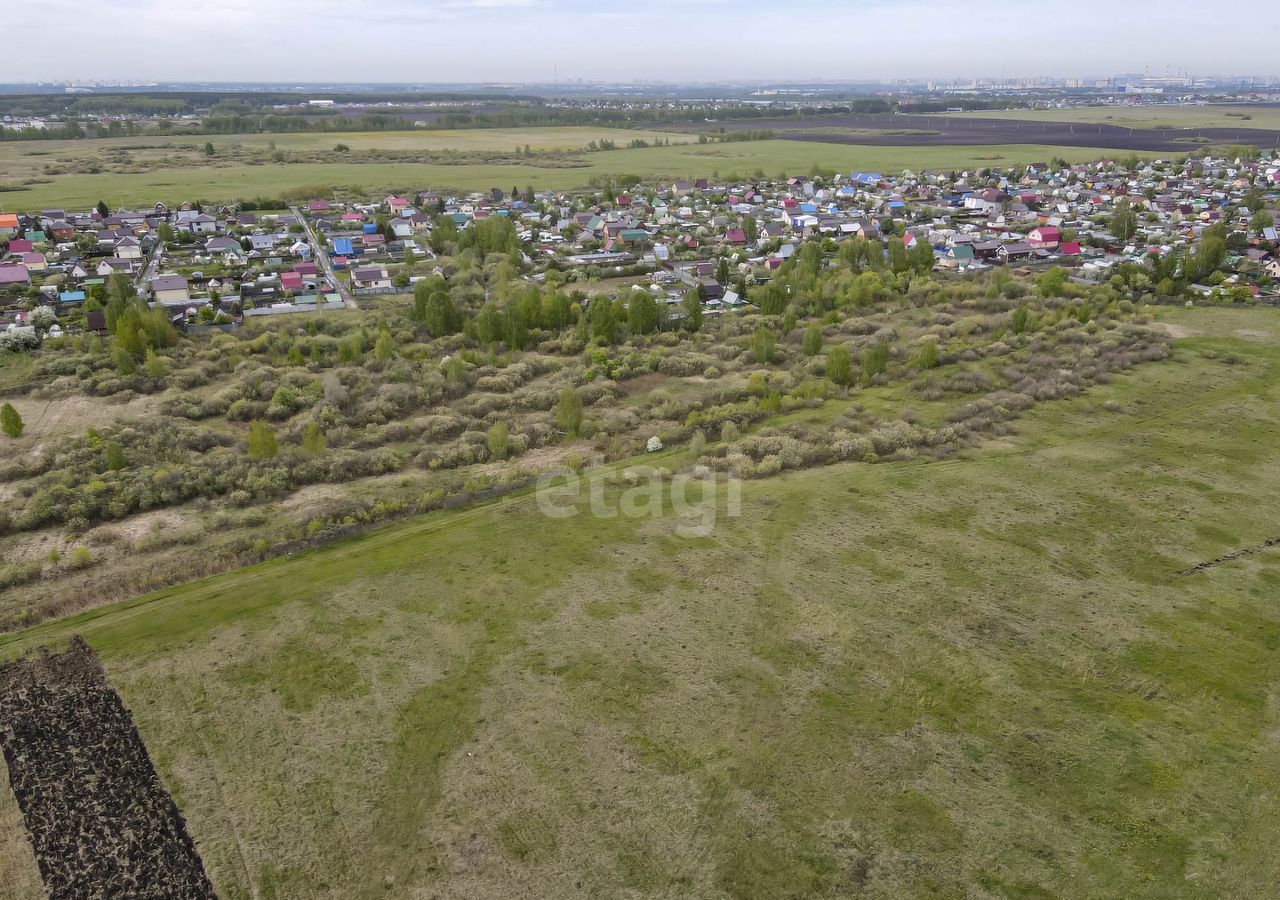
(1044, 236)
(290, 281)
(735, 236)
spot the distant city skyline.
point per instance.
(540, 41)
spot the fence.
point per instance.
(374, 292)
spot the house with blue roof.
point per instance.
(343, 247)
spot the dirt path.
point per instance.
(1231, 557)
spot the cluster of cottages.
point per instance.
(357, 245)
(183, 259)
(677, 234)
(674, 235)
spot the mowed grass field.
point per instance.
(977, 678)
(688, 160)
(1220, 116)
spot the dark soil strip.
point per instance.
(100, 822)
(1230, 557)
(978, 132)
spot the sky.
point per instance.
(597, 40)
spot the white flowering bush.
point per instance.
(18, 340)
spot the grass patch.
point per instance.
(677, 161)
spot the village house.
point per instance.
(373, 278)
(14, 276)
(170, 289)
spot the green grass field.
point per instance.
(982, 677)
(1225, 116)
(677, 161)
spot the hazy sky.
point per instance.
(529, 40)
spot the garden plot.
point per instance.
(99, 820)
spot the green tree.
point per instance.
(927, 358)
(921, 256)
(350, 350)
(488, 324)
(441, 315)
(604, 324)
(113, 454)
(773, 300)
(692, 304)
(839, 365)
(875, 361)
(569, 412)
(313, 439)
(899, 262)
(1124, 224)
(155, 365)
(499, 439)
(10, 422)
(557, 310)
(124, 362)
(697, 443)
(120, 294)
(1052, 283)
(1020, 318)
(763, 345)
(642, 313)
(495, 234)
(385, 346)
(262, 440)
(812, 344)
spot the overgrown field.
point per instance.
(976, 677)
(79, 174)
(150, 459)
